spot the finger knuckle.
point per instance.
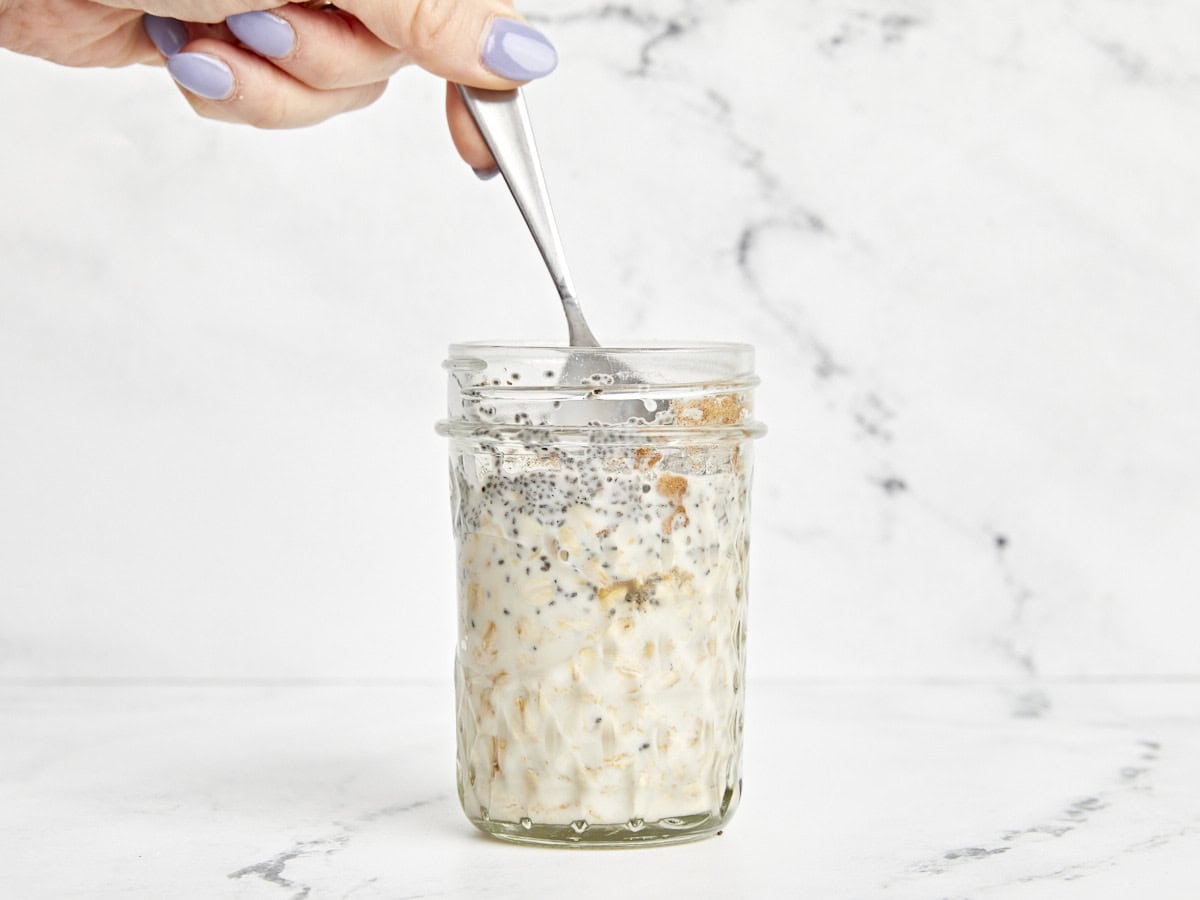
(269, 113)
(369, 94)
(429, 24)
(326, 72)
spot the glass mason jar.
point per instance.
(601, 514)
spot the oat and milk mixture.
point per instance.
(601, 623)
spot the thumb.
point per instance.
(477, 42)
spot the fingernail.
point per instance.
(167, 35)
(265, 33)
(203, 75)
(486, 174)
(518, 51)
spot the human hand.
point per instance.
(278, 65)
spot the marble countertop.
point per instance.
(961, 234)
(324, 789)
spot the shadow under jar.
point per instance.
(601, 503)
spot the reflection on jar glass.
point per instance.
(601, 513)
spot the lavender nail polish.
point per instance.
(486, 174)
(265, 33)
(518, 51)
(203, 75)
(167, 35)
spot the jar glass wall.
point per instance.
(601, 515)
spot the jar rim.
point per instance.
(662, 362)
(635, 435)
(576, 390)
(623, 347)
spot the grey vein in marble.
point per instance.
(271, 870)
(1074, 815)
(1018, 643)
(886, 28)
(658, 29)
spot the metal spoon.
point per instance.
(503, 121)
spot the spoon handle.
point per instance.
(503, 121)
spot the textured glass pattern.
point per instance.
(601, 652)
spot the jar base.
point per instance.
(634, 833)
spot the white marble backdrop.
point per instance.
(963, 234)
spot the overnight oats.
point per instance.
(601, 512)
